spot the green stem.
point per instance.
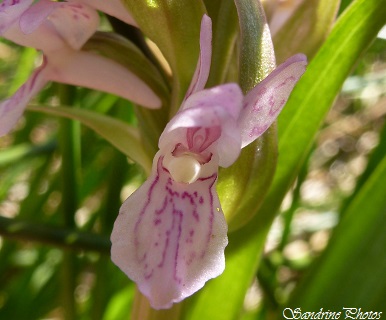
(107, 216)
(143, 311)
(69, 146)
(55, 236)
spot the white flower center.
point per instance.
(185, 168)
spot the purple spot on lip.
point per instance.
(160, 211)
(196, 216)
(187, 195)
(149, 275)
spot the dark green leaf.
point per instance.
(121, 135)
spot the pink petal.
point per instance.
(72, 21)
(90, 70)
(113, 8)
(50, 26)
(12, 108)
(45, 38)
(201, 73)
(264, 102)
(229, 96)
(36, 15)
(10, 12)
(218, 106)
(170, 237)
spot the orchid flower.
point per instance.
(59, 30)
(171, 233)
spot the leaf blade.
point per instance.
(124, 137)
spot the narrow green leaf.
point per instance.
(351, 271)
(124, 137)
(69, 148)
(306, 30)
(298, 125)
(242, 187)
(119, 305)
(62, 237)
(21, 151)
(257, 58)
(343, 5)
(317, 89)
(24, 68)
(225, 30)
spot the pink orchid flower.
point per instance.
(59, 30)
(171, 233)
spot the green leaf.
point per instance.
(121, 135)
(351, 271)
(314, 94)
(225, 30)
(119, 305)
(21, 151)
(25, 66)
(298, 124)
(242, 187)
(306, 29)
(174, 26)
(257, 58)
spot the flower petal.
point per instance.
(36, 15)
(218, 106)
(229, 96)
(201, 73)
(90, 70)
(12, 108)
(45, 38)
(170, 237)
(264, 102)
(50, 26)
(73, 21)
(10, 12)
(113, 8)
